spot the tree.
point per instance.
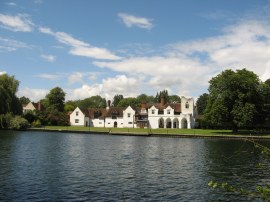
(174, 99)
(202, 103)
(8, 99)
(145, 98)
(92, 102)
(163, 94)
(116, 99)
(133, 102)
(24, 100)
(55, 99)
(235, 100)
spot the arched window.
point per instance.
(187, 105)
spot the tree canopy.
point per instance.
(116, 99)
(202, 103)
(235, 100)
(55, 99)
(130, 101)
(92, 102)
(9, 102)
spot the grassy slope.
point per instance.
(158, 131)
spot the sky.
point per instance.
(101, 47)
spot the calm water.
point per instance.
(40, 166)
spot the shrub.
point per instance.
(36, 124)
(19, 123)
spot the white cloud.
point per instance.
(18, 23)
(131, 20)
(11, 4)
(3, 72)
(187, 67)
(33, 94)
(75, 77)
(49, 58)
(49, 76)
(11, 45)
(80, 48)
(109, 87)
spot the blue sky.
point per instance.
(125, 47)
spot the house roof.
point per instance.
(102, 112)
(175, 106)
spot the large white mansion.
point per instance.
(159, 115)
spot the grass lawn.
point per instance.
(205, 132)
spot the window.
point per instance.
(168, 112)
(77, 113)
(76, 120)
(100, 123)
(128, 115)
(187, 105)
(153, 111)
(129, 122)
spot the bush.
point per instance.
(36, 124)
(18, 123)
(5, 120)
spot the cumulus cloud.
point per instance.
(33, 94)
(131, 20)
(49, 58)
(188, 66)
(80, 48)
(120, 84)
(18, 23)
(2, 72)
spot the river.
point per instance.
(43, 166)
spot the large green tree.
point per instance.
(24, 100)
(116, 99)
(202, 103)
(235, 100)
(92, 102)
(130, 101)
(55, 99)
(9, 102)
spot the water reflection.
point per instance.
(56, 166)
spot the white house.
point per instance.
(158, 115)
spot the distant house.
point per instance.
(158, 115)
(31, 106)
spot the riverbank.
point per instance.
(178, 133)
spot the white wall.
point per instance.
(128, 122)
(190, 102)
(79, 115)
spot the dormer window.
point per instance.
(128, 115)
(187, 105)
(168, 111)
(153, 111)
(77, 113)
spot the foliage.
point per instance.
(69, 107)
(8, 99)
(19, 123)
(235, 100)
(174, 99)
(5, 120)
(145, 98)
(133, 102)
(92, 102)
(36, 124)
(24, 100)
(30, 116)
(57, 118)
(116, 99)
(163, 94)
(202, 103)
(55, 99)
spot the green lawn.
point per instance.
(164, 131)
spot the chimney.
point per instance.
(143, 105)
(39, 106)
(162, 101)
(108, 104)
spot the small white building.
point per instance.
(158, 115)
(31, 106)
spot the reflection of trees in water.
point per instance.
(235, 162)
